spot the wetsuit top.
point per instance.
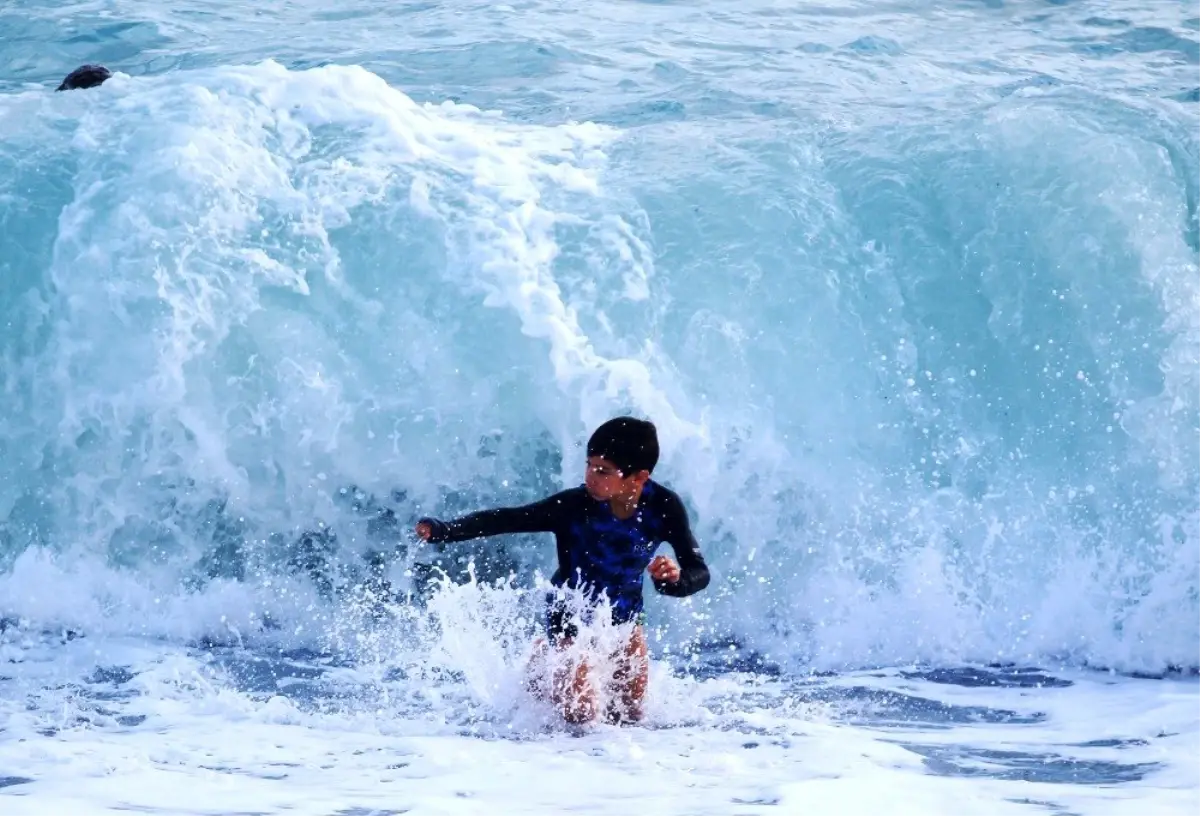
(598, 552)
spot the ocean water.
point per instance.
(912, 291)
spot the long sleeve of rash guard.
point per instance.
(694, 575)
(539, 517)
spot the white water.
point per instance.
(910, 294)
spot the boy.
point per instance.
(606, 532)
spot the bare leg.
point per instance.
(570, 688)
(575, 694)
(630, 679)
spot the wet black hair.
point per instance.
(630, 444)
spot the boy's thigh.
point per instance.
(633, 662)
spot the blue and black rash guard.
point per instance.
(598, 552)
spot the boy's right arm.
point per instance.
(539, 517)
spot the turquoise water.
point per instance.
(911, 291)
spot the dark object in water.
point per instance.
(85, 76)
(313, 555)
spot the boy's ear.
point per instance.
(641, 477)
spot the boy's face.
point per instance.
(604, 481)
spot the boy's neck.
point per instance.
(624, 507)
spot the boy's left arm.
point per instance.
(693, 571)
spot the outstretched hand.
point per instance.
(664, 569)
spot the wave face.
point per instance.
(926, 375)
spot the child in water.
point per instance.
(607, 531)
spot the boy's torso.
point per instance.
(603, 553)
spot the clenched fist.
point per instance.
(664, 569)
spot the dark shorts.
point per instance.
(562, 623)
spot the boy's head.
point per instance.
(621, 454)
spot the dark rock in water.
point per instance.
(85, 76)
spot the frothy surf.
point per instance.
(926, 380)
